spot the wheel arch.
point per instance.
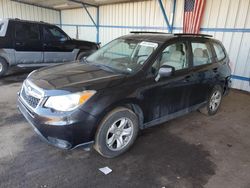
(83, 51)
(138, 111)
(131, 104)
(226, 85)
(5, 58)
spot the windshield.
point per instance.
(3, 27)
(123, 55)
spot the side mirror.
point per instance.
(63, 39)
(164, 71)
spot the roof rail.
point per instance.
(192, 34)
(150, 32)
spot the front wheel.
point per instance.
(116, 133)
(81, 56)
(3, 67)
(213, 103)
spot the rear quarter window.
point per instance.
(219, 52)
(26, 31)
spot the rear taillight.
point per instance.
(98, 45)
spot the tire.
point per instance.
(214, 101)
(3, 67)
(116, 133)
(81, 56)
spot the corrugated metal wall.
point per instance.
(73, 17)
(145, 15)
(226, 20)
(10, 9)
(232, 14)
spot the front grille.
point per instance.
(32, 101)
(30, 95)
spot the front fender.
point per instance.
(8, 55)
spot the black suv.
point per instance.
(134, 82)
(29, 44)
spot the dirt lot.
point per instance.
(191, 151)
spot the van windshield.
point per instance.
(2, 28)
(123, 55)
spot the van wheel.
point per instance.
(3, 67)
(117, 132)
(81, 56)
(213, 103)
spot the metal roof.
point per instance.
(71, 4)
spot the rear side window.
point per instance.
(26, 31)
(201, 54)
(220, 54)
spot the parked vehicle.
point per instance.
(35, 44)
(134, 82)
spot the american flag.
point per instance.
(193, 11)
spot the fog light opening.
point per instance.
(59, 143)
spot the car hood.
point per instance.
(74, 77)
(82, 42)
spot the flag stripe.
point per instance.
(193, 12)
(200, 14)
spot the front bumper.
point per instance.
(63, 130)
(228, 85)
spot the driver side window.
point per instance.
(53, 34)
(173, 55)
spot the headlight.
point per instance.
(70, 101)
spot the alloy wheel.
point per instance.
(119, 134)
(215, 100)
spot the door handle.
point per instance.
(19, 43)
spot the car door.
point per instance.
(57, 46)
(205, 70)
(169, 95)
(28, 43)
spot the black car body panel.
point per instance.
(153, 101)
(66, 127)
(74, 77)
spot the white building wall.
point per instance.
(226, 20)
(11, 9)
(79, 17)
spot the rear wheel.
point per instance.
(117, 132)
(3, 67)
(81, 56)
(213, 103)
